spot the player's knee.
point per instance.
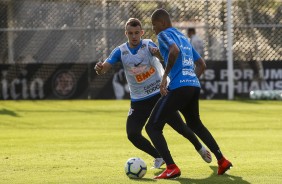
(150, 129)
(196, 126)
(153, 128)
(133, 137)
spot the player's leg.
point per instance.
(175, 121)
(182, 96)
(136, 120)
(192, 117)
(154, 129)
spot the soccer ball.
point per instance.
(135, 168)
(256, 95)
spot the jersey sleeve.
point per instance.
(152, 44)
(196, 55)
(165, 39)
(115, 56)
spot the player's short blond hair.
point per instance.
(133, 22)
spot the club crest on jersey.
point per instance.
(125, 53)
(143, 46)
(145, 75)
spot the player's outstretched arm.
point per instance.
(102, 67)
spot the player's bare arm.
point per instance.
(156, 52)
(172, 56)
(200, 67)
(102, 67)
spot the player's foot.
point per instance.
(205, 154)
(172, 171)
(158, 162)
(223, 166)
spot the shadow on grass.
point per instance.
(213, 178)
(8, 112)
(144, 180)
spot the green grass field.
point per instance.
(85, 142)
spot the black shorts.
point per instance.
(183, 99)
(139, 113)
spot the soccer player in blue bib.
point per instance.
(143, 72)
(182, 93)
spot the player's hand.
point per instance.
(98, 67)
(163, 86)
(154, 50)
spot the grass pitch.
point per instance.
(85, 142)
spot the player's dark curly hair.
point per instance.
(133, 22)
(161, 14)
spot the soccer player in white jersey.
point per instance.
(143, 72)
(182, 93)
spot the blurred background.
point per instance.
(48, 48)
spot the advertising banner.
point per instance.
(43, 81)
(79, 81)
(246, 78)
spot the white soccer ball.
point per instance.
(135, 168)
(253, 95)
(256, 95)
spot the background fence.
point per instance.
(85, 31)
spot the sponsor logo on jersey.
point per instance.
(188, 62)
(137, 64)
(137, 70)
(188, 72)
(185, 47)
(145, 75)
(189, 81)
(152, 87)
